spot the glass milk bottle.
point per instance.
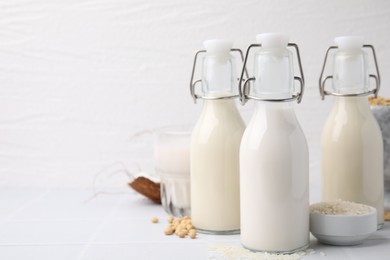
(214, 153)
(274, 161)
(351, 141)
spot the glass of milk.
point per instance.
(172, 164)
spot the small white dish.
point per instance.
(343, 230)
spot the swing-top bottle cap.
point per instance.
(218, 70)
(218, 46)
(350, 69)
(272, 40)
(219, 79)
(349, 42)
(350, 73)
(274, 75)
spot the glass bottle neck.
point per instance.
(273, 73)
(218, 76)
(350, 74)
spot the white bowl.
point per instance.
(343, 230)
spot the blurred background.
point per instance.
(80, 79)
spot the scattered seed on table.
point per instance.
(170, 219)
(168, 231)
(181, 227)
(192, 233)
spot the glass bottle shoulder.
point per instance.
(353, 111)
(221, 111)
(350, 117)
(279, 117)
(219, 119)
(275, 122)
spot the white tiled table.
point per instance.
(59, 224)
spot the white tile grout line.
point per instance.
(175, 242)
(104, 223)
(25, 205)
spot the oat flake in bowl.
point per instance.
(342, 222)
(340, 207)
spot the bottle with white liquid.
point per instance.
(214, 153)
(274, 161)
(351, 142)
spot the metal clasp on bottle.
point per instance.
(194, 83)
(244, 89)
(377, 78)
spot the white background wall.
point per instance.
(79, 77)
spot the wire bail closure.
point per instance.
(322, 80)
(244, 89)
(194, 83)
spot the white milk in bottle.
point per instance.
(215, 196)
(274, 161)
(351, 142)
